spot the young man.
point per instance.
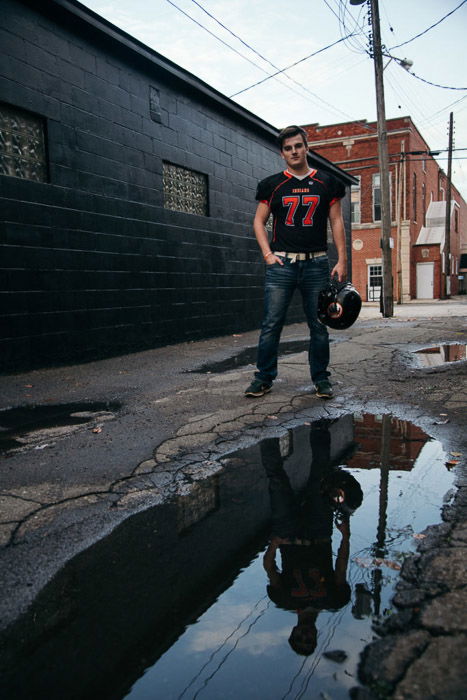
(301, 200)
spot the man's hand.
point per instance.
(339, 270)
(272, 259)
(343, 525)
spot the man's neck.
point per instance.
(301, 173)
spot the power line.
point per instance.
(395, 162)
(279, 71)
(263, 58)
(398, 154)
(414, 104)
(451, 104)
(444, 87)
(227, 639)
(215, 35)
(356, 46)
(195, 2)
(315, 53)
(429, 28)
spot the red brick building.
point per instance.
(402, 442)
(418, 208)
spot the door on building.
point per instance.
(425, 280)
(375, 282)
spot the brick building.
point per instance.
(418, 208)
(400, 440)
(127, 191)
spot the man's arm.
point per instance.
(342, 558)
(259, 227)
(269, 562)
(338, 234)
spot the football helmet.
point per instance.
(339, 305)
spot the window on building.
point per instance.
(22, 144)
(355, 199)
(456, 220)
(424, 203)
(376, 197)
(375, 282)
(414, 196)
(185, 190)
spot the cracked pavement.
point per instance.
(64, 489)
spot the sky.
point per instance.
(237, 45)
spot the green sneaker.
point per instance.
(257, 388)
(324, 389)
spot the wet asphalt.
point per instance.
(143, 422)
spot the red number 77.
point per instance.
(292, 202)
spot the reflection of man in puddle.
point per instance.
(302, 529)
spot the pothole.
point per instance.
(19, 425)
(441, 354)
(302, 535)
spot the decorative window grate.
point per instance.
(185, 190)
(22, 144)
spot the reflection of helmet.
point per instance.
(339, 306)
(339, 480)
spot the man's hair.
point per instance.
(290, 131)
(303, 644)
(339, 478)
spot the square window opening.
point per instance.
(22, 144)
(185, 190)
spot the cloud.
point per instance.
(222, 638)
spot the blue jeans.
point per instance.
(309, 276)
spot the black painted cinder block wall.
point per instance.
(92, 262)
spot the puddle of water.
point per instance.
(190, 599)
(248, 357)
(15, 423)
(441, 354)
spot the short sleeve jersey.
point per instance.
(300, 209)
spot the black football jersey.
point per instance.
(300, 209)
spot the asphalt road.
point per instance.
(64, 488)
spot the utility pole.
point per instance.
(447, 225)
(387, 306)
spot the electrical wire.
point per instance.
(224, 643)
(440, 111)
(263, 58)
(416, 100)
(301, 60)
(215, 36)
(413, 96)
(417, 36)
(355, 44)
(424, 80)
(413, 105)
(227, 29)
(351, 39)
(234, 647)
(444, 87)
(331, 107)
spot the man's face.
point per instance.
(294, 152)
